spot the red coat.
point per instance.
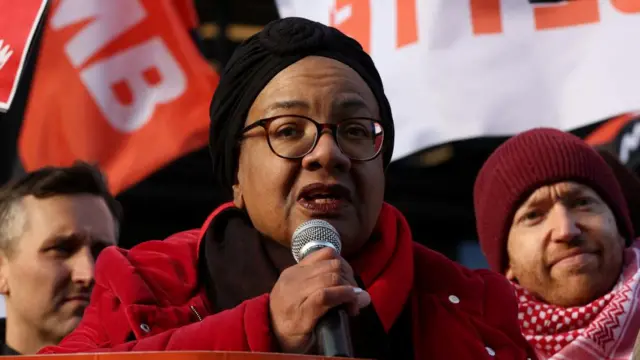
(152, 291)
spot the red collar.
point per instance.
(205, 226)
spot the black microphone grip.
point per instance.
(333, 334)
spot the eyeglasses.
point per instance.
(295, 136)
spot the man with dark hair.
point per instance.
(53, 224)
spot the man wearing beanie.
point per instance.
(552, 218)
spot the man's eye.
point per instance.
(531, 216)
(61, 250)
(582, 202)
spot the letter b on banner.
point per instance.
(128, 86)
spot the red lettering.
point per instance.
(486, 17)
(407, 23)
(627, 6)
(568, 14)
(353, 17)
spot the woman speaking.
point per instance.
(300, 130)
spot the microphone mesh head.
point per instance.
(313, 235)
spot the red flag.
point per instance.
(18, 23)
(119, 83)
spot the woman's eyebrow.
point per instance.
(288, 105)
(350, 103)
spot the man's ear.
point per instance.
(4, 273)
(238, 199)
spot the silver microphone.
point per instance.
(332, 330)
(314, 235)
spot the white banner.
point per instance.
(456, 69)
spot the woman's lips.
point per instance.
(323, 206)
(324, 199)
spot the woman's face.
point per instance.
(280, 194)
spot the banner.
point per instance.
(119, 83)
(18, 23)
(456, 69)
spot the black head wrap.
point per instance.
(258, 59)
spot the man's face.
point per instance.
(48, 274)
(564, 245)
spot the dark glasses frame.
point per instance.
(266, 122)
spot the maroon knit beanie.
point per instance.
(526, 162)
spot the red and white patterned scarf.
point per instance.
(604, 329)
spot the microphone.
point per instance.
(332, 330)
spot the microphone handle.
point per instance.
(333, 335)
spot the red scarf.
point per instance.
(606, 328)
(386, 265)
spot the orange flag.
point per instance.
(119, 83)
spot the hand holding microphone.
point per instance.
(322, 282)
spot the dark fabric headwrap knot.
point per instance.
(258, 59)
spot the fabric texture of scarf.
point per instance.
(606, 328)
(241, 264)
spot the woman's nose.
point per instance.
(327, 154)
